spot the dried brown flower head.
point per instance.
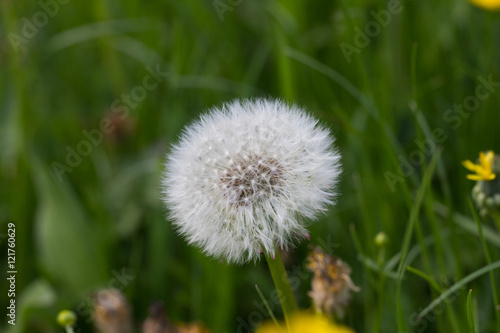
(331, 285)
(112, 312)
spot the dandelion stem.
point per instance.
(69, 329)
(282, 284)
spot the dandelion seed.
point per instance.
(276, 169)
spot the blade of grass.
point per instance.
(408, 235)
(457, 286)
(496, 219)
(96, 30)
(468, 225)
(424, 125)
(355, 238)
(268, 308)
(470, 313)
(452, 316)
(431, 141)
(362, 98)
(426, 277)
(335, 76)
(285, 73)
(374, 266)
(488, 260)
(413, 252)
(368, 280)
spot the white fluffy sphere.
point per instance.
(246, 177)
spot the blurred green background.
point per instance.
(84, 132)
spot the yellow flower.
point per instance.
(304, 322)
(484, 169)
(487, 4)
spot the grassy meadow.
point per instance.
(93, 95)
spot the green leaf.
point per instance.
(470, 313)
(69, 247)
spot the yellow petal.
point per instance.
(469, 165)
(490, 157)
(475, 177)
(487, 4)
(482, 159)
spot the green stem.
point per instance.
(488, 260)
(69, 329)
(282, 284)
(496, 219)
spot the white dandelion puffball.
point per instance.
(245, 178)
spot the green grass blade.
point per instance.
(457, 286)
(468, 225)
(335, 76)
(96, 30)
(488, 260)
(268, 308)
(470, 313)
(426, 277)
(362, 98)
(413, 252)
(408, 235)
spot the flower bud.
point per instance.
(381, 239)
(66, 318)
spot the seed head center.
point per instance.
(251, 178)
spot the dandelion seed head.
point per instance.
(247, 176)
